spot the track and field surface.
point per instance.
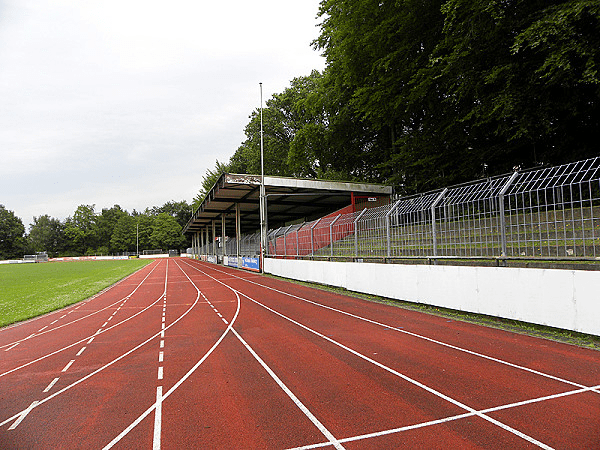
(185, 354)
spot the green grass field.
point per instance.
(29, 290)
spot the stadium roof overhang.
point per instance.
(288, 200)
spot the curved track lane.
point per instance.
(184, 354)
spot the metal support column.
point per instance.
(388, 227)
(238, 233)
(356, 231)
(433, 227)
(502, 217)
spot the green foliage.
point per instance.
(29, 290)
(166, 233)
(12, 242)
(46, 234)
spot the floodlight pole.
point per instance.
(263, 198)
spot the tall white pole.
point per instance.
(262, 200)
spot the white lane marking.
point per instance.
(396, 373)
(145, 414)
(316, 422)
(109, 319)
(157, 419)
(52, 323)
(78, 342)
(374, 322)
(23, 415)
(163, 319)
(163, 325)
(68, 365)
(223, 319)
(162, 344)
(330, 437)
(162, 334)
(448, 419)
(90, 341)
(51, 385)
(409, 379)
(161, 356)
(160, 373)
(11, 347)
(105, 323)
(100, 369)
(42, 329)
(80, 351)
(91, 314)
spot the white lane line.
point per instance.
(91, 314)
(162, 344)
(42, 329)
(400, 330)
(162, 334)
(11, 347)
(105, 323)
(330, 437)
(160, 373)
(157, 419)
(163, 325)
(109, 319)
(448, 419)
(51, 385)
(409, 379)
(161, 356)
(223, 319)
(52, 323)
(23, 415)
(68, 365)
(90, 341)
(145, 414)
(80, 351)
(163, 319)
(100, 369)
(394, 372)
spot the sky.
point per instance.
(129, 102)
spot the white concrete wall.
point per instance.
(567, 299)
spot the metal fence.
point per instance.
(545, 213)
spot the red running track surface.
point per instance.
(184, 354)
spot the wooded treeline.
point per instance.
(87, 232)
(426, 93)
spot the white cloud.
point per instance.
(103, 102)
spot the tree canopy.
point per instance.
(426, 93)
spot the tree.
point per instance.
(106, 222)
(47, 234)
(166, 233)
(82, 230)
(123, 238)
(12, 230)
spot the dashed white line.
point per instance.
(160, 373)
(157, 419)
(90, 341)
(80, 351)
(11, 347)
(51, 385)
(42, 329)
(161, 356)
(68, 365)
(162, 344)
(52, 323)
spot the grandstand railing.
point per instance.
(548, 213)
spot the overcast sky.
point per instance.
(129, 102)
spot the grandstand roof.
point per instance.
(288, 199)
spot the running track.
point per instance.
(184, 354)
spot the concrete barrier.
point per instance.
(567, 299)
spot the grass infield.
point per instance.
(30, 290)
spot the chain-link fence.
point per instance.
(545, 213)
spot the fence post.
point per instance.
(388, 227)
(433, 229)
(502, 218)
(312, 237)
(331, 233)
(356, 231)
(285, 233)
